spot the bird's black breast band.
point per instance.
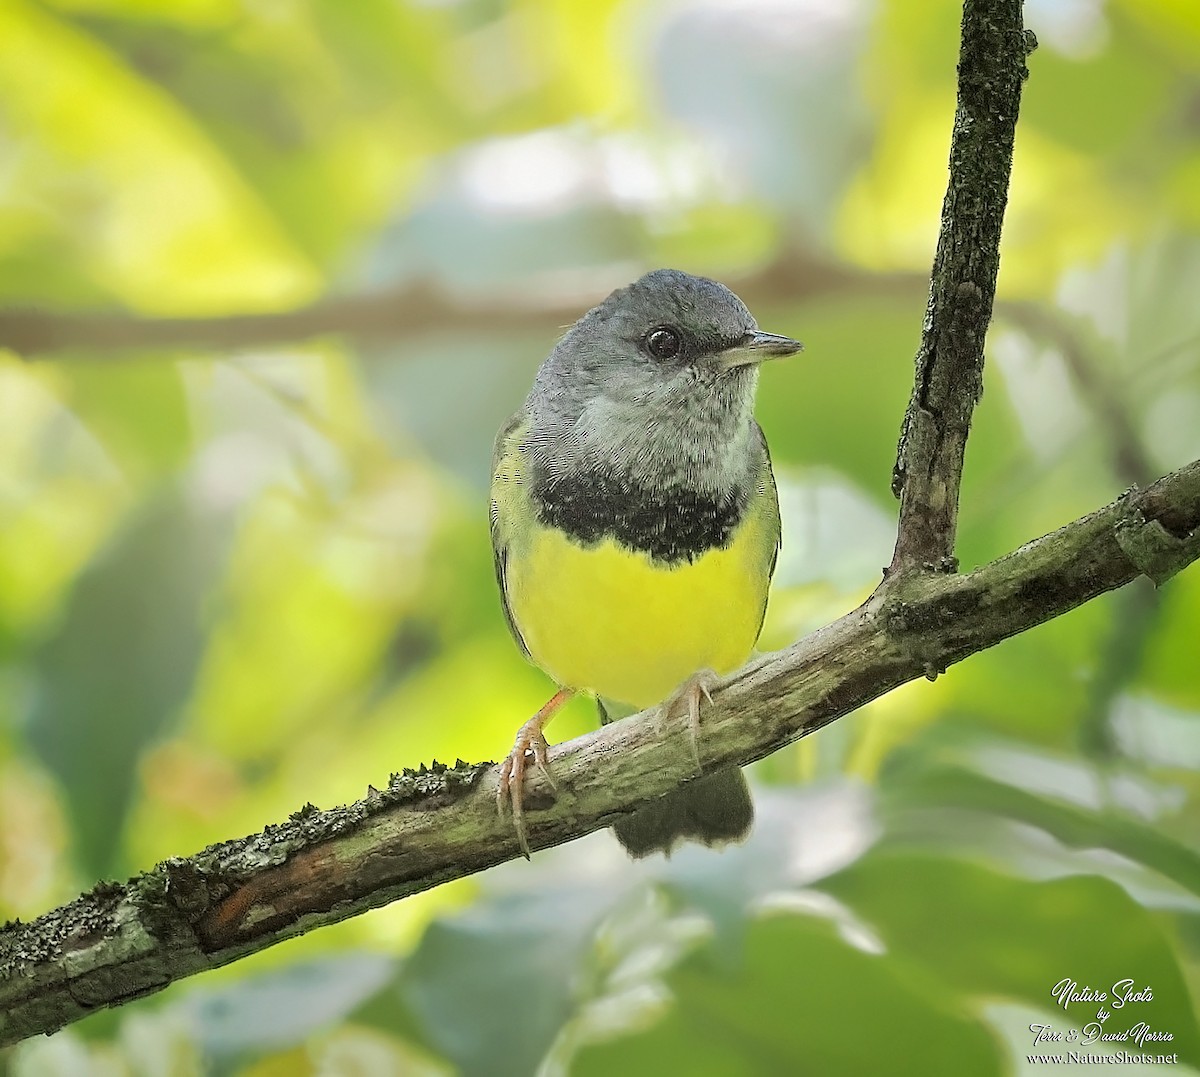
(670, 524)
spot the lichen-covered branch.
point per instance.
(949, 363)
(122, 941)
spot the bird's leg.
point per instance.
(530, 738)
(699, 684)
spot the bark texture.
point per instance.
(949, 374)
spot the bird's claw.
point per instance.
(510, 790)
(698, 685)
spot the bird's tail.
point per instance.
(711, 809)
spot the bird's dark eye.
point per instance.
(663, 342)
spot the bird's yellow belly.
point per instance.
(608, 620)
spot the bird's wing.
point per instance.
(767, 480)
(768, 495)
(509, 503)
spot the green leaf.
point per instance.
(1169, 668)
(137, 411)
(801, 1001)
(493, 987)
(286, 1006)
(122, 661)
(976, 931)
(1076, 825)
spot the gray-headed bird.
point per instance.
(635, 526)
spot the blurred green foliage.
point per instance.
(231, 583)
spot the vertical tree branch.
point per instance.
(949, 362)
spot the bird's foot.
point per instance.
(530, 740)
(699, 685)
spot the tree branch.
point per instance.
(120, 942)
(949, 374)
(410, 311)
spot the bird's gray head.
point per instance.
(657, 381)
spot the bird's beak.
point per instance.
(757, 347)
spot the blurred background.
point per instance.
(273, 273)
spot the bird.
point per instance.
(635, 528)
